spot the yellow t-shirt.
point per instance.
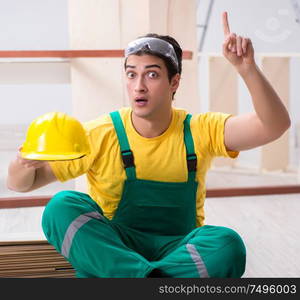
(161, 158)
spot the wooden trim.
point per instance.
(72, 53)
(253, 191)
(32, 201)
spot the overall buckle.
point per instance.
(192, 162)
(127, 157)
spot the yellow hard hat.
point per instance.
(55, 136)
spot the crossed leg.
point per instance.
(208, 251)
(74, 224)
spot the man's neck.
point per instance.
(151, 127)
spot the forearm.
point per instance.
(267, 104)
(20, 178)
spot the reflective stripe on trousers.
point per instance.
(74, 227)
(197, 260)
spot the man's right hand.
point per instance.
(29, 163)
(25, 175)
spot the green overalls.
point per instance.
(154, 228)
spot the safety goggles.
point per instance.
(155, 45)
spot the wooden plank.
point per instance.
(27, 247)
(29, 242)
(61, 53)
(35, 254)
(34, 271)
(26, 252)
(19, 261)
(56, 275)
(8, 259)
(277, 71)
(253, 191)
(33, 201)
(32, 259)
(72, 53)
(59, 261)
(222, 80)
(69, 274)
(29, 267)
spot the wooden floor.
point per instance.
(269, 225)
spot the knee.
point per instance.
(62, 208)
(225, 251)
(56, 205)
(69, 203)
(234, 252)
(53, 212)
(65, 206)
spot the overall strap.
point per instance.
(127, 155)
(190, 151)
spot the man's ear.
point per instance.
(175, 82)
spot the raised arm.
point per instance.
(270, 118)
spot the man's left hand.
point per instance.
(238, 50)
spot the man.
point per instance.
(144, 214)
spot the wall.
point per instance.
(272, 28)
(35, 24)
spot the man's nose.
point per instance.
(140, 85)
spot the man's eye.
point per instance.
(130, 74)
(152, 74)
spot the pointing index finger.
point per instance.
(225, 24)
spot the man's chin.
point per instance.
(141, 112)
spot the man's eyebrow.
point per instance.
(129, 66)
(152, 66)
(146, 67)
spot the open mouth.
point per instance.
(141, 101)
